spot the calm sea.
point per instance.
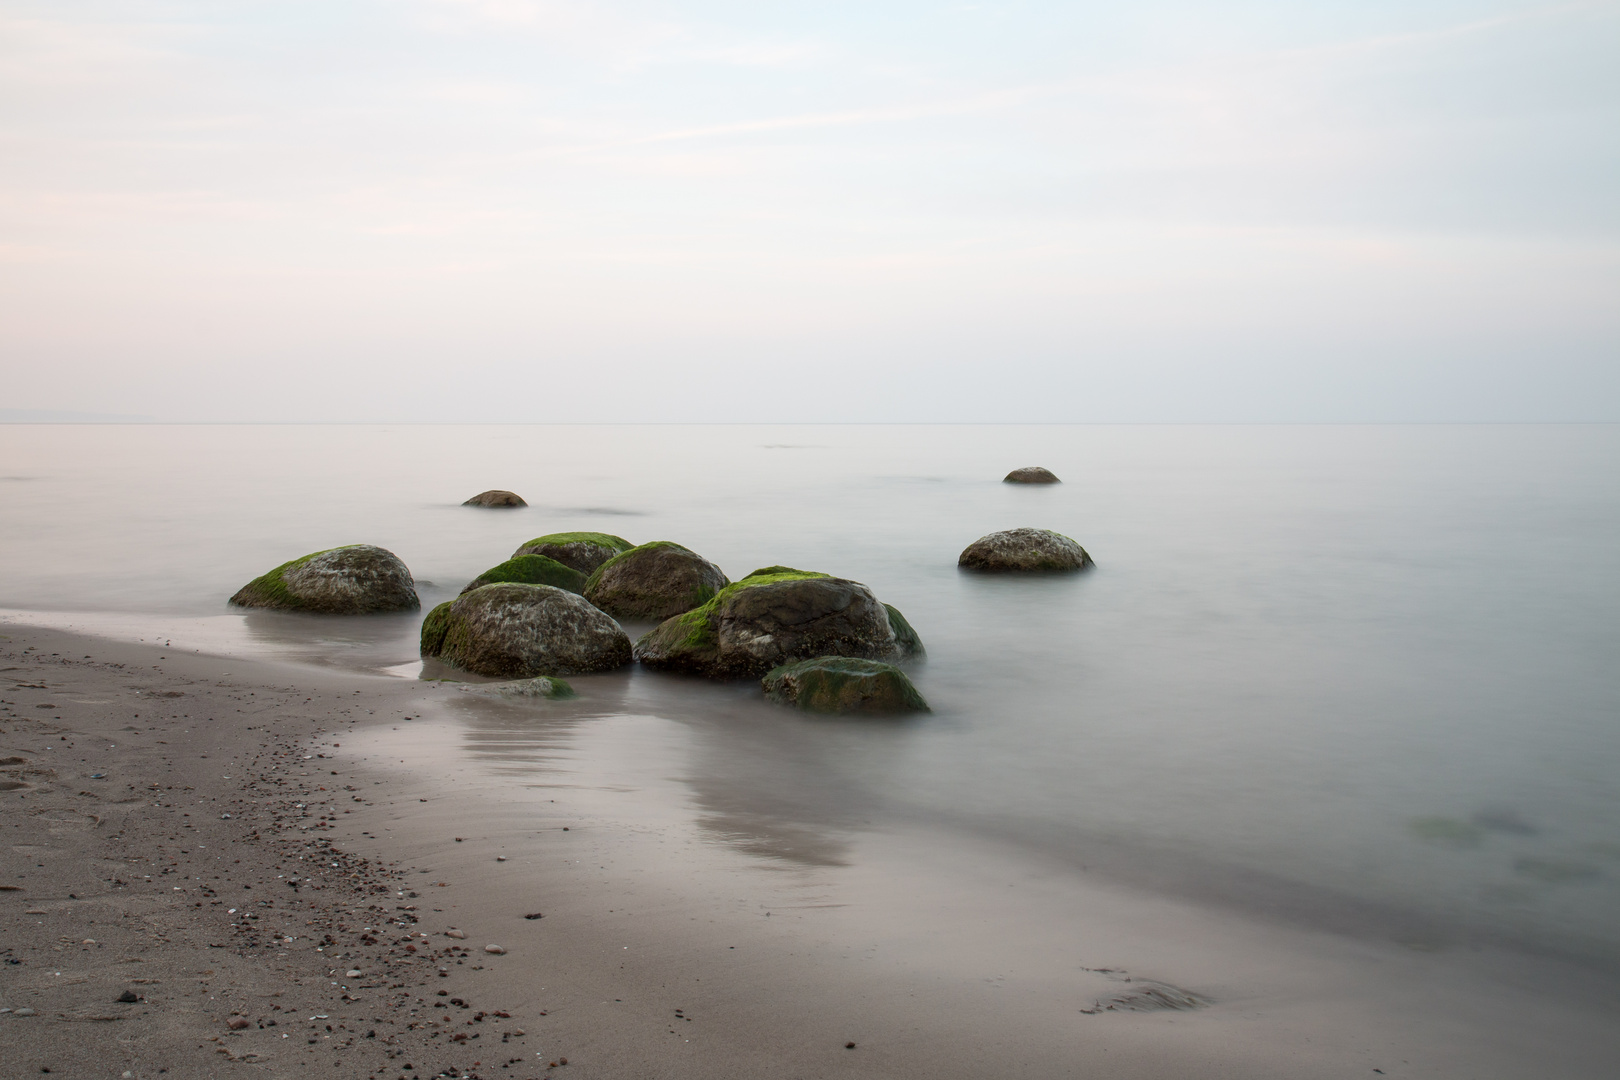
(1360, 677)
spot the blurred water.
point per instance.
(1358, 676)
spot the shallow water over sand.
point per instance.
(1357, 677)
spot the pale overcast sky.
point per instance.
(523, 210)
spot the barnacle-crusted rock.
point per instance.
(1026, 550)
(654, 581)
(355, 580)
(774, 616)
(583, 551)
(843, 684)
(514, 631)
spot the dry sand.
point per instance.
(226, 840)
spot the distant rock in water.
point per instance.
(1026, 550)
(842, 684)
(1033, 474)
(583, 551)
(495, 497)
(772, 617)
(355, 580)
(509, 630)
(531, 570)
(654, 581)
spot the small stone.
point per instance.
(128, 997)
(352, 974)
(88, 941)
(458, 934)
(496, 949)
(1031, 474)
(25, 1011)
(237, 1023)
(500, 858)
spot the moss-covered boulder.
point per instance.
(843, 684)
(654, 581)
(770, 618)
(355, 580)
(495, 498)
(1024, 550)
(531, 570)
(908, 646)
(583, 551)
(1031, 474)
(509, 630)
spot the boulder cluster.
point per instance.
(815, 642)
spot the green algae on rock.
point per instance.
(1026, 550)
(906, 641)
(531, 570)
(510, 630)
(496, 497)
(543, 687)
(769, 619)
(843, 684)
(582, 551)
(358, 579)
(654, 581)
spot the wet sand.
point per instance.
(679, 937)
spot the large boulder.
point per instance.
(531, 570)
(1031, 474)
(355, 580)
(1026, 550)
(654, 581)
(583, 551)
(842, 684)
(513, 631)
(772, 617)
(495, 497)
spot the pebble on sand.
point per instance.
(460, 934)
(237, 1023)
(496, 949)
(355, 974)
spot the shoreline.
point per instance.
(773, 964)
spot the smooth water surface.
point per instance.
(1357, 676)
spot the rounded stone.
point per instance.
(494, 949)
(583, 551)
(495, 497)
(654, 581)
(842, 684)
(515, 631)
(531, 570)
(1024, 550)
(358, 579)
(772, 617)
(1031, 474)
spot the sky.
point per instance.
(524, 210)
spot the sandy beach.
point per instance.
(296, 871)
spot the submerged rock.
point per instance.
(654, 581)
(1026, 550)
(531, 570)
(355, 580)
(772, 617)
(582, 551)
(1032, 474)
(842, 684)
(514, 631)
(544, 687)
(906, 642)
(495, 497)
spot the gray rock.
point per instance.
(654, 581)
(582, 551)
(544, 687)
(355, 580)
(514, 631)
(495, 497)
(770, 618)
(841, 684)
(1024, 550)
(1032, 474)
